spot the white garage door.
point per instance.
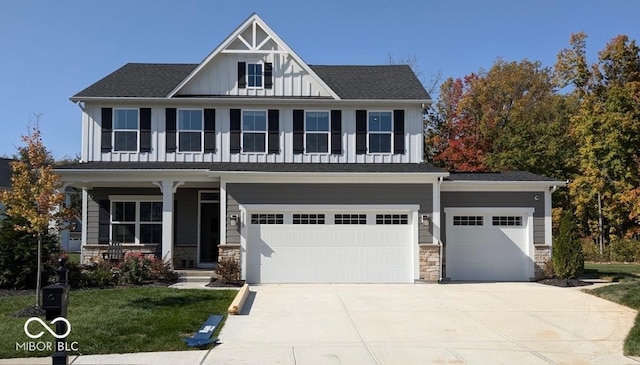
(489, 245)
(329, 247)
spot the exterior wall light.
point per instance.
(425, 219)
(233, 220)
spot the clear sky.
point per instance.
(50, 50)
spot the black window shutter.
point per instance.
(274, 130)
(107, 125)
(145, 129)
(104, 221)
(361, 132)
(298, 131)
(268, 75)
(398, 132)
(209, 130)
(170, 114)
(234, 136)
(242, 70)
(336, 132)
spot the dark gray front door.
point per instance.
(209, 232)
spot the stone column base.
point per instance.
(229, 250)
(429, 259)
(542, 253)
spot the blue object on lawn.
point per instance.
(203, 336)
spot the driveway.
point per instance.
(503, 323)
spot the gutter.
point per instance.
(440, 179)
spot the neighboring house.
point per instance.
(5, 178)
(303, 173)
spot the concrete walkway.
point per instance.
(504, 323)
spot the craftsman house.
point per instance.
(303, 173)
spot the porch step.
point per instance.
(195, 276)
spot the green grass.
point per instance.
(120, 320)
(626, 292)
(74, 257)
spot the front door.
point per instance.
(209, 229)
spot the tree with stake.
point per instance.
(35, 199)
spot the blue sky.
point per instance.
(49, 50)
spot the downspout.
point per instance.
(440, 179)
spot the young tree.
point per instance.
(567, 257)
(35, 200)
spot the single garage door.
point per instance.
(329, 247)
(489, 245)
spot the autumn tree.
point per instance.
(507, 118)
(607, 129)
(35, 200)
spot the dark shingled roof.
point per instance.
(390, 82)
(139, 80)
(256, 167)
(497, 176)
(5, 172)
(372, 82)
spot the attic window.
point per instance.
(254, 75)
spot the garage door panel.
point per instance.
(329, 253)
(487, 252)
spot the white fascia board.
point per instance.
(254, 18)
(319, 177)
(114, 175)
(331, 207)
(499, 185)
(245, 100)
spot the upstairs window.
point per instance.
(380, 129)
(254, 131)
(254, 75)
(190, 130)
(125, 130)
(317, 132)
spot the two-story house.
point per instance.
(303, 173)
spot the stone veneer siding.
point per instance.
(230, 250)
(184, 256)
(542, 253)
(93, 252)
(429, 259)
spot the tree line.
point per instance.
(576, 121)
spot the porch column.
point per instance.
(435, 215)
(167, 221)
(85, 215)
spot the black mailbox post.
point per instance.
(55, 300)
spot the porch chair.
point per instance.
(114, 253)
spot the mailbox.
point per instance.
(55, 300)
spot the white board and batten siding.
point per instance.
(91, 141)
(219, 77)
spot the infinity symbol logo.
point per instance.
(45, 326)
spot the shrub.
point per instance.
(161, 271)
(591, 250)
(568, 259)
(135, 269)
(548, 270)
(19, 253)
(625, 250)
(228, 270)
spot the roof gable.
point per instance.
(253, 41)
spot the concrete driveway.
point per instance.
(504, 323)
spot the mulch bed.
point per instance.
(217, 283)
(565, 283)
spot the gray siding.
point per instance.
(450, 199)
(355, 194)
(186, 207)
(233, 233)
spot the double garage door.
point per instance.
(489, 244)
(333, 246)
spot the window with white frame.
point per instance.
(380, 127)
(254, 75)
(317, 131)
(125, 130)
(136, 222)
(190, 130)
(254, 131)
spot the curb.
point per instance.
(236, 306)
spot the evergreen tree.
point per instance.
(568, 260)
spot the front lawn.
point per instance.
(119, 320)
(626, 292)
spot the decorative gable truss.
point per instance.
(252, 62)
